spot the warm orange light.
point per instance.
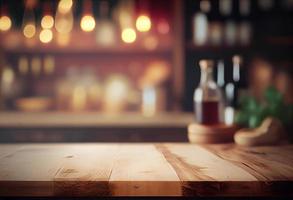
(64, 6)
(46, 36)
(87, 23)
(29, 30)
(128, 35)
(143, 23)
(163, 27)
(63, 39)
(47, 22)
(5, 23)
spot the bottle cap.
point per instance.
(205, 64)
(237, 59)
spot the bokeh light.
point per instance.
(143, 23)
(64, 6)
(46, 36)
(87, 23)
(163, 27)
(29, 30)
(47, 22)
(5, 23)
(128, 35)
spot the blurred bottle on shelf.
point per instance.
(208, 99)
(265, 5)
(244, 33)
(220, 74)
(23, 65)
(200, 25)
(230, 33)
(64, 21)
(116, 92)
(10, 87)
(49, 65)
(106, 34)
(244, 7)
(225, 7)
(36, 66)
(233, 89)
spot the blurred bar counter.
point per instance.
(92, 127)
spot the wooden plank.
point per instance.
(30, 170)
(272, 166)
(141, 170)
(86, 172)
(203, 173)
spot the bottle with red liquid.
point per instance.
(208, 99)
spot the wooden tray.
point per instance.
(221, 133)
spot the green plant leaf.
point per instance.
(272, 95)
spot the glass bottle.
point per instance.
(208, 99)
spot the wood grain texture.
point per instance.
(145, 170)
(272, 166)
(142, 170)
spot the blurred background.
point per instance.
(126, 70)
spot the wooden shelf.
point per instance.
(213, 48)
(101, 51)
(92, 119)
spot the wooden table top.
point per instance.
(144, 170)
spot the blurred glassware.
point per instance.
(208, 99)
(64, 21)
(265, 5)
(106, 34)
(149, 99)
(124, 14)
(36, 66)
(225, 7)
(230, 33)
(200, 28)
(205, 5)
(49, 65)
(116, 93)
(23, 65)
(220, 74)
(245, 33)
(244, 7)
(215, 33)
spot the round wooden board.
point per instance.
(221, 133)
